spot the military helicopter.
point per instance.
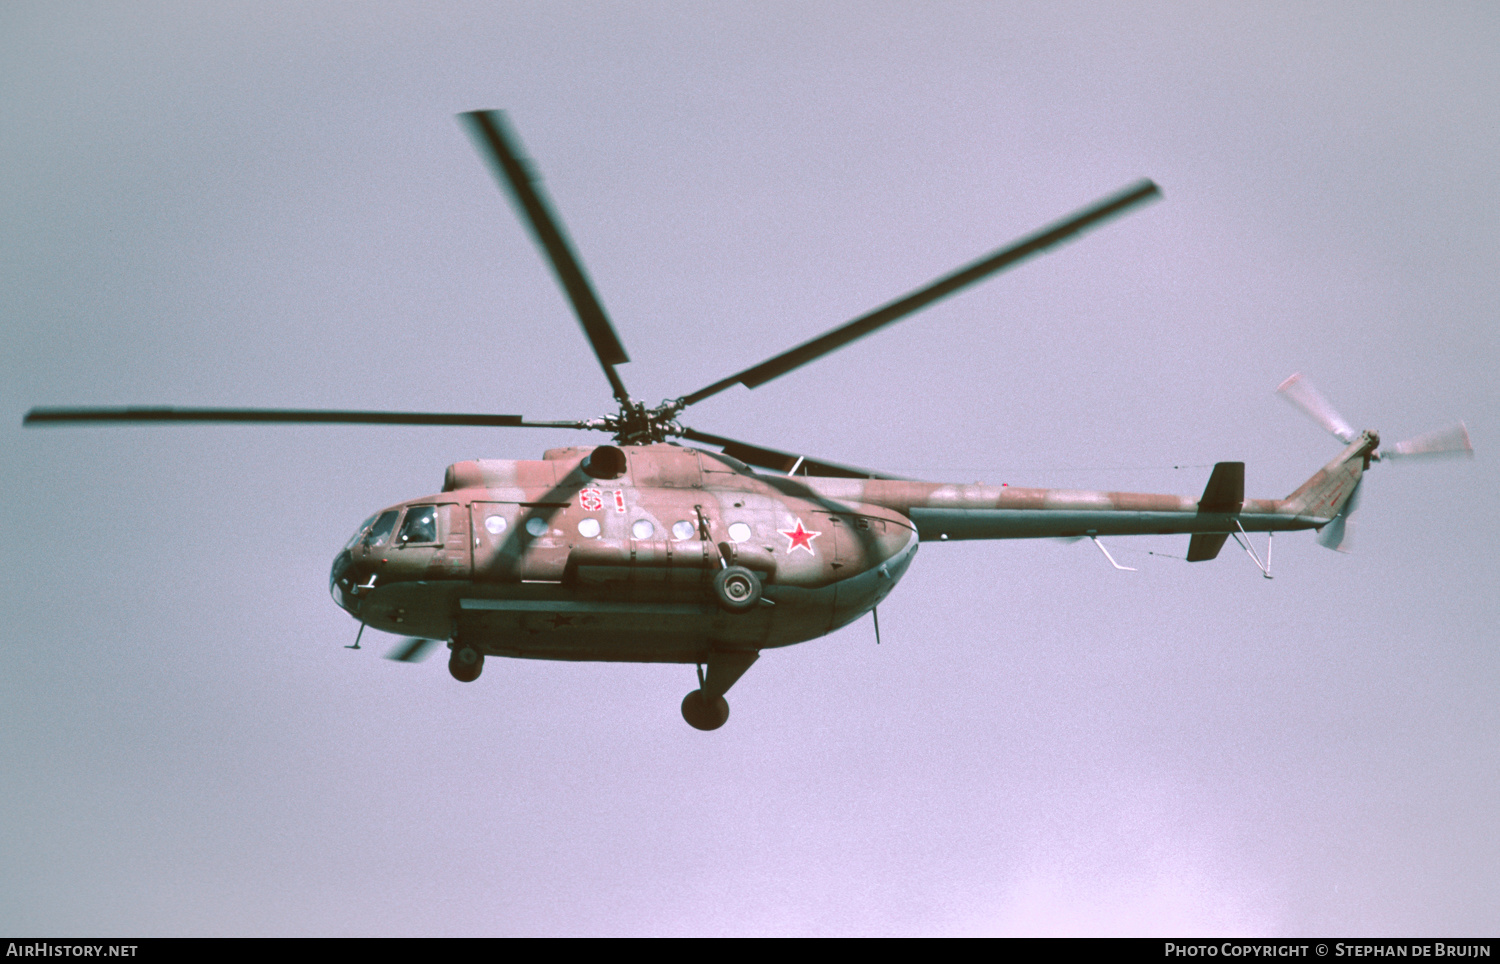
(649, 550)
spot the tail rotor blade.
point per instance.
(1338, 535)
(1450, 441)
(412, 650)
(1301, 393)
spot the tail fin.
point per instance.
(1322, 497)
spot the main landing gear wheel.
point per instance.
(466, 664)
(703, 714)
(737, 589)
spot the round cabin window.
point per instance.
(682, 529)
(739, 532)
(588, 528)
(643, 529)
(537, 526)
(494, 525)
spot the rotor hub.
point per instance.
(638, 425)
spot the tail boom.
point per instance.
(953, 512)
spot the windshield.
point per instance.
(359, 532)
(382, 528)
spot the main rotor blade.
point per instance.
(787, 462)
(412, 650)
(1301, 393)
(1453, 440)
(525, 189)
(62, 416)
(941, 288)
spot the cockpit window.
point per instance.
(382, 528)
(420, 524)
(359, 532)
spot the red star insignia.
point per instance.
(799, 538)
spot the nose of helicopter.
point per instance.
(340, 582)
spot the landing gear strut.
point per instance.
(705, 708)
(466, 663)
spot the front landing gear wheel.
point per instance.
(737, 589)
(702, 714)
(466, 664)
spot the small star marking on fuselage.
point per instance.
(799, 538)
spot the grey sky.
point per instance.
(218, 204)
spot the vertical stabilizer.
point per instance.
(1322, 497)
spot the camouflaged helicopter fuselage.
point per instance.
(543, 559)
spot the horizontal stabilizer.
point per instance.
(1225, 491)
(1205, 545)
